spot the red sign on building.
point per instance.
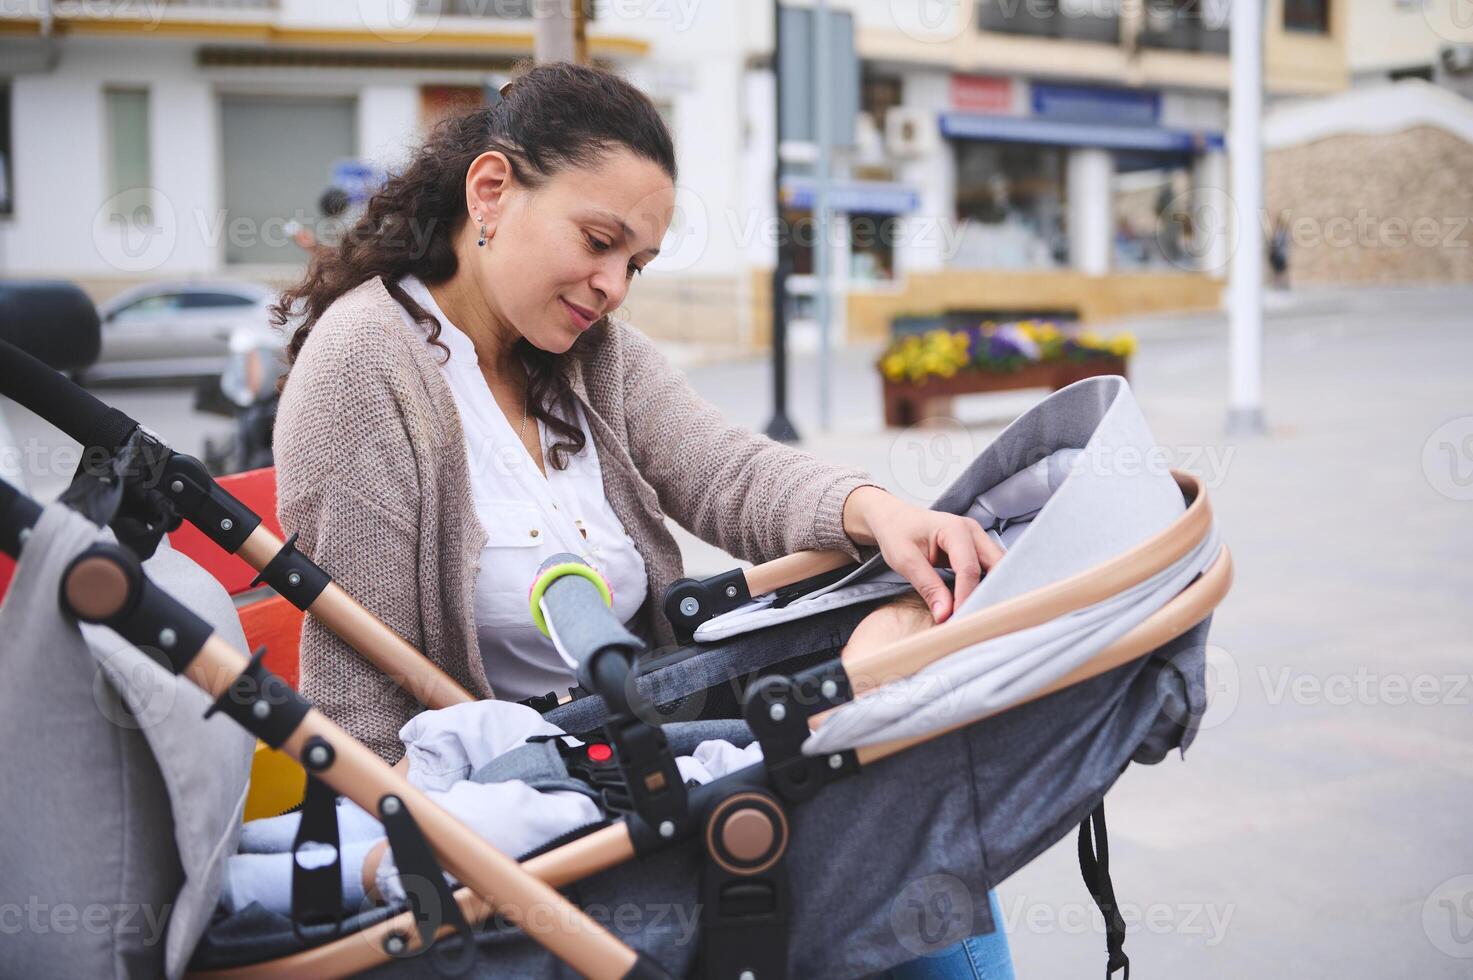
(981, 93)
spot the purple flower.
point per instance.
(1000, 348)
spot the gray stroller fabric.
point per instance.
(1083, 472)
(121, 802)
(876, 857)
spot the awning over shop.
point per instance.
(1020, 129)
(854, 196)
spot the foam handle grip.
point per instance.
(577, 611)
(60, 400)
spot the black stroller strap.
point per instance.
(430, 897)
(317, 892)
(1094, 866)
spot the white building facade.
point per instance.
(1064, 164)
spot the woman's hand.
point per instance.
(913, 539)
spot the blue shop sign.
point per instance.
(1012, 129)
(1098, 106)
(359, 179)
(854, 196)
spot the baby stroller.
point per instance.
(980, 741)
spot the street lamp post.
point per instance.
(1245, 277)
(780, 427)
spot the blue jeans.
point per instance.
(977, 958)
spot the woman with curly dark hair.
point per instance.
(461, 404)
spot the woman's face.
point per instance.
(560, 257)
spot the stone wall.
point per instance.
(1359, 208)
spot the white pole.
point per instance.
(821, 124)
(1245, 281)
(554, 32)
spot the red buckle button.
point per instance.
(598, 752)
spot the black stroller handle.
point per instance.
(61, 401)
(162, 486)
(572, 604)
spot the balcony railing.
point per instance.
(210, 4)
(1186, 25)
(494, 9)
(1074, 20)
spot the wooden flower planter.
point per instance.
(907, 403)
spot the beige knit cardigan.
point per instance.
(371, 472)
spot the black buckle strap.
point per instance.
(1094, 866)
(317, 889)
(430, 897)
(118, 489)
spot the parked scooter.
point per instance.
(247, 391)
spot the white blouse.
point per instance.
(528, 518)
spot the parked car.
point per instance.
(176, 329)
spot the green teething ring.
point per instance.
(552, 575)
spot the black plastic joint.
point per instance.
(690, 602)
(777, 710)
(149, 618)
(294, 576)
(823, 687)
(263, 704)
(200, 500)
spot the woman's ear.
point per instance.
(488, 182)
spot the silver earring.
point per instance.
(482, 240)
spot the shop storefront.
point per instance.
(866, 229)
(1071, 176)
